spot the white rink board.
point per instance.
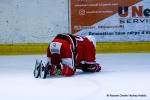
(32, 21)
(121, 74)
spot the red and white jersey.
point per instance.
(68, 50)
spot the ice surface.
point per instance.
(123, 74)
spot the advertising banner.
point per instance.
(111, 20)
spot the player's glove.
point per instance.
(89, 67)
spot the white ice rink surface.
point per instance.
(122, 74)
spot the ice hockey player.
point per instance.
(65, 54)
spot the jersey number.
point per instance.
(55, 47)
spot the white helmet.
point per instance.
(92, 39)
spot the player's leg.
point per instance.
(67, 55)
(89, 63)
(68, 67)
